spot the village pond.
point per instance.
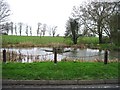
(37, 54)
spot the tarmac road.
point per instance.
(60, 84)
(60, 87)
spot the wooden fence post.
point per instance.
(12, 56)
(4, 56)
(55, 55)
(106, 57)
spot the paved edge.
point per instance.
(58, 82)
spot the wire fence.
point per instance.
(92, 58)
(19, 57)
(86, 57)
(13, 56)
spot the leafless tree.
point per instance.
(26, 30)
(44, 29)
(94, 15)
(38, 29)
(54, 28)
(7, 27)
(72, 28)
(30, 30)
(15, 29)
(4, 11)
(11, 27)
(20, 27)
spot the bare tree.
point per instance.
(20, 27)
(38, 29)
(26, 30)
(7, 27)
(44, 29)
(4, 11)
(54, 28)
(115, 28)
(94, 14)
(72, 28)
(30, 30)
(11, 27)
(15, 29)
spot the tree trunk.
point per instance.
(74, 39)
(99, 31)
(100, 38)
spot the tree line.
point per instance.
(42, 28)
(20, 28)
(95, 18)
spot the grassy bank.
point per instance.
(47, 41)
(9, 40)
(61, 71)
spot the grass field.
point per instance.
(48, 41)
(31, 40)
(35, 40)
(60, 71)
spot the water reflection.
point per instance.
(37, 54)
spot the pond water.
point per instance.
(43, 54)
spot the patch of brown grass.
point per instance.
(25, 44)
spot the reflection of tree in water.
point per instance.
(20, 56)
(74, 52)
(99, 54)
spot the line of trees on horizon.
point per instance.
(7, 27)
(25, 29)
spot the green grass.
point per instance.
(88, 40)
(33, 40)
(28, 41)
(36, 40)
(61, 71)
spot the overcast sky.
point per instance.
(50, 12)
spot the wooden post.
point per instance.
(12, 56)
(4, 56)
(20, 56)
(106, 57)
(55, 55)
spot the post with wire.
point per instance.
(4, 56)
(55, 55)
(106, 57)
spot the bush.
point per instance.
(106, 39)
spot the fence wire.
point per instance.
(19, 57)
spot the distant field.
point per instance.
(60, 71)
(47, 40)
(30, 40)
